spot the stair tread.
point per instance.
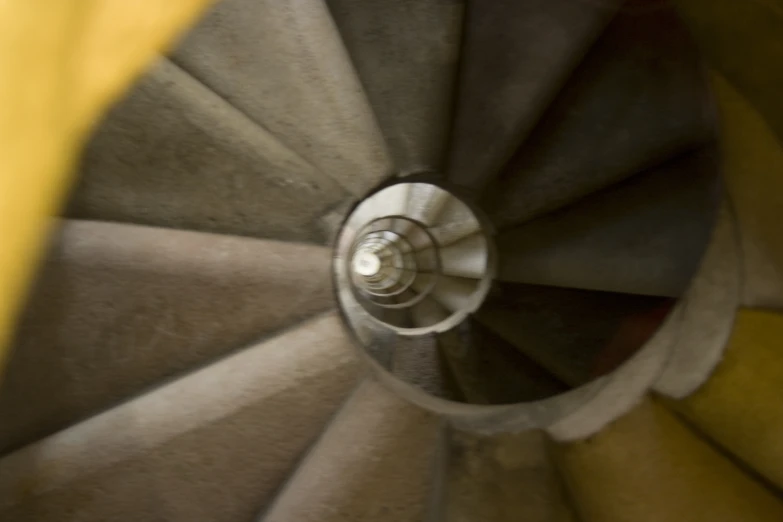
(376, 461)
(645, 236)
(213, 445)
(576, 335)
(175, 154)
(638, 99)
(282, 62)
(417, 361)
(502, 478)
(119, 307)
(406, 55)
(516, 55)
(489, 370)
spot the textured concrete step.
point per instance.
(637, 99)
(490, 370)
(117, 308)
(501, 478)
(576, 335)
(648, 467)
(645, 236)
(418, 361)
(375, 463)
(739, 405)
(406, 55)
(516, 56)
(283, 63)
(174, 154)
(212, 446)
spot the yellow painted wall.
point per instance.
(648, 467)
(61, 63)
(742, 40)
(740, 406)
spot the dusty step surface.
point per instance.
(214, 445)
(647, 466)
(644, 236)
(418, 361)
(119, 307)
(516, 55)
(489, 370)
(283, 63)
(406, 55)
(376, 461)
(637, 99)
(576, 335)
(501, 478)
(175, 154)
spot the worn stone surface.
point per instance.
(118, 308)
(516, 56)
(707, 311)
(283, 63)
(576, 335)
(376, 462)
(647, 466)
(637, 100)
(174, 154)
(214, 445)
(645, 236)
(406, 55)
(330, 223)
(502, 478)
(489, 370)
(418, 361)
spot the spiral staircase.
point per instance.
(431, 260)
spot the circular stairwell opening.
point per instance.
(524, 286)
(445, 315)
(417, 258)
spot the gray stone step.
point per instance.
(645, 236)
(283, 63)
(375, 462)
(406, 55)
(175, 154)
(501, 478)
(638, 99)
(516, 56)
(576, 335)
(418, 361)
(489, 370)
(214, 445)
(118, 308)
